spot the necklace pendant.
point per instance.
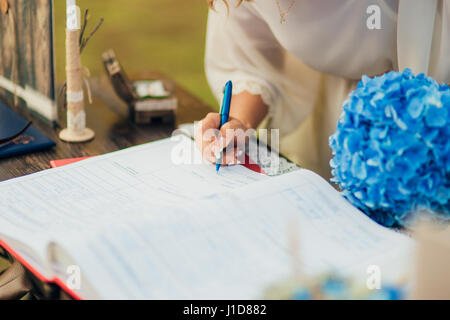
(283, 14)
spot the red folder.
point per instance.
(251, 165)
(36, 273)
(63, 162)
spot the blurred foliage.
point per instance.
(160, 35)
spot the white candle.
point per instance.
(73, 15)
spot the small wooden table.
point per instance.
(108, 117)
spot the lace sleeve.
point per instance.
(241, 47)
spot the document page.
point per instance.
(77, 198)
(233, 246)
(146, 223)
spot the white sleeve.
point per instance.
(241, 47)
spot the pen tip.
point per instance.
(217, 167)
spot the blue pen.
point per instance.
(224, 114)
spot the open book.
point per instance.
(140, 223)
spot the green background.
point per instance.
(151, 35)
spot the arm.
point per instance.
(249, 109)
(241, 48)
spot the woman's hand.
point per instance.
(210, 141)
(246, 113)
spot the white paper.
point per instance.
(119, 183)
(140, 226)
(75, 200)
(233, 246)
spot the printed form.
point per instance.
(141, 226)
(77, 198)
(233, 246)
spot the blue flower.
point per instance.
(436, 116)
(391, 148)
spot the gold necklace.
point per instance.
(283, 14)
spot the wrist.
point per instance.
(249, 109)
(248, 125)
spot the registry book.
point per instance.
(139, 226)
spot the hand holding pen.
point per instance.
(213, 145)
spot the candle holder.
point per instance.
(76, 130)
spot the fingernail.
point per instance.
(240, 153)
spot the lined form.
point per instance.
(233, 246)
(142, 226)
(77, 198)
(131, 180)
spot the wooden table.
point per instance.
(108, 117)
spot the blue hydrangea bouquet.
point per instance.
(392, 149)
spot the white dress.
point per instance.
(304, 69)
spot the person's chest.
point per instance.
(347, 38)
